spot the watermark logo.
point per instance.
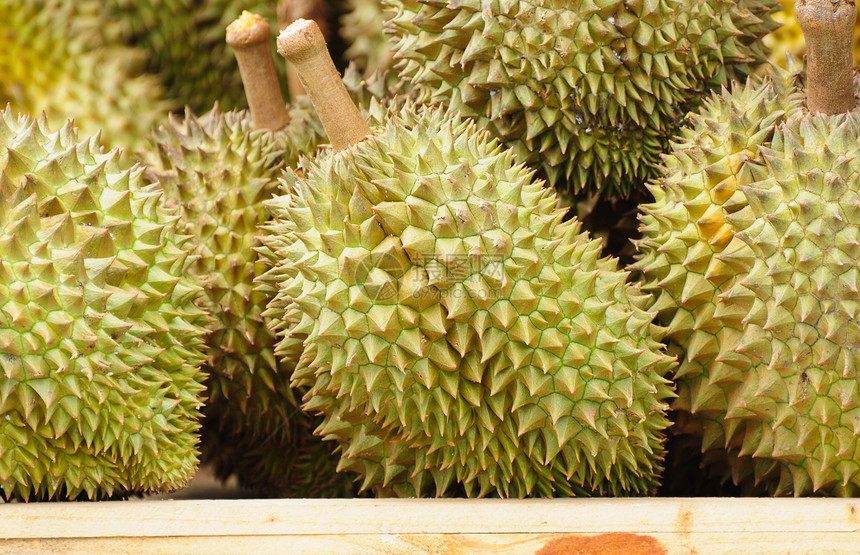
(382, 286)
(473, 271)
(461, 268)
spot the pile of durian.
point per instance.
(426, 278)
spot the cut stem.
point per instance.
(828, 27)
(249, 38)
(291, 10)
(302, 44)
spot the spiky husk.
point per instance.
(54, 58)
(591, 92)
(100, 336)
(185, 43)
(362, 29)
(379, 87)
(453, 331)
(751, 251)
(218, 172)
(610, 217)
(788, 38)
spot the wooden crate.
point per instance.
(457, 526)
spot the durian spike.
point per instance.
(291, 10)
(303, 44)
(249, 38)
(828, 27)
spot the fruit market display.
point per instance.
(425, 278)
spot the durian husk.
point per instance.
(184, 42)
(589, 93)
(749, 250)
(429, 386)
(101, 339)
(217, 172)
(288, 460)
(57, 57)
(361, 27)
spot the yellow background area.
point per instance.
(789, 38)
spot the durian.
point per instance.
(453, 332)
(751, 250)
(54, 58)
(217, 170)
(591, 92)
(184, 40)
(100, 336)
(362, 29)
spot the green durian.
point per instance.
(54, 58)
(184, 40)
(589, 92)
(217, 171)
(377, 88)
(453, 332)
(751, 250)
(362, 29)
(100, 337)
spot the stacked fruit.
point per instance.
(376, 289)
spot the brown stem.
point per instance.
(291, 10)
(828, 27)
(249, 38)
(303, 44)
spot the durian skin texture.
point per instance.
(751, 250)
(184, 42)
(217, 172)
(362, 28)
(58, 57)
(100, 336)
(589, 92)
(455, 334)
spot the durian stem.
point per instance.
(828, 27)
(291, 10)
(249, 38)
(303, 44)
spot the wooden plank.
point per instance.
(448, 544)
(413, 516)
(641, 525)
